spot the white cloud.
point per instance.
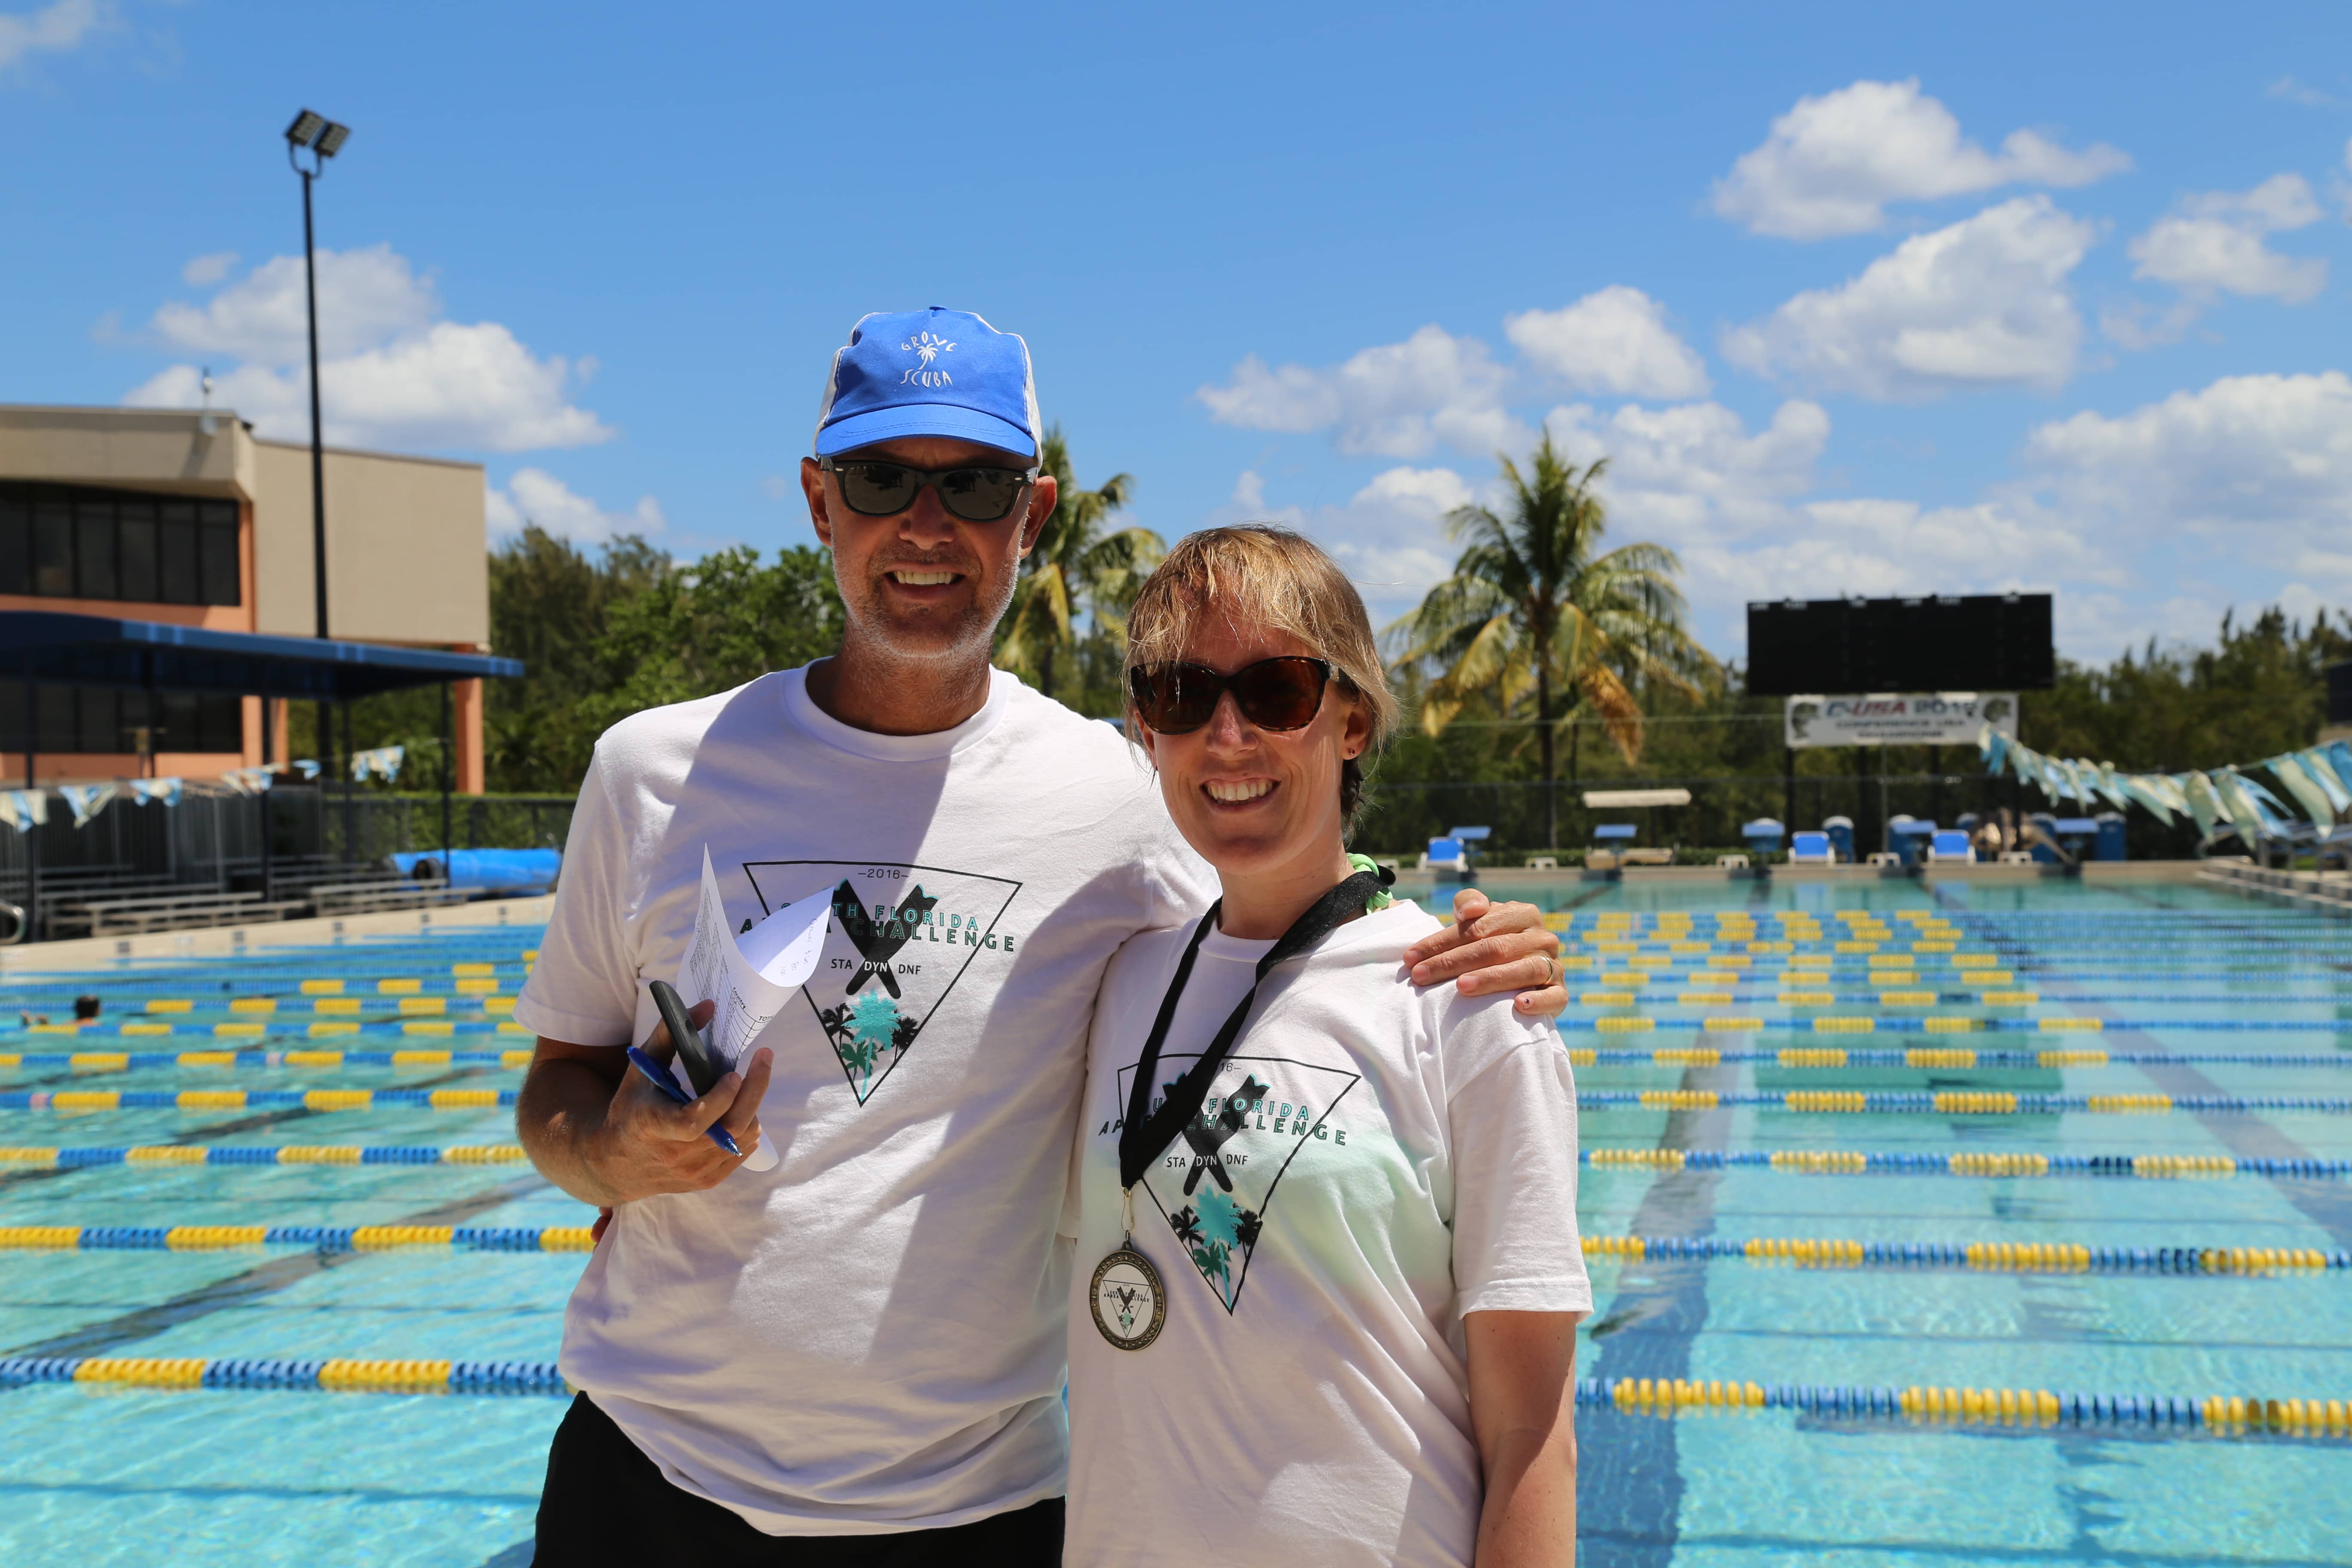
(364, 298)
(2214, 244)
(534, 495)
(1832, 164)
(1615, 342)
(2137, 325)
(1686, 471)
(2264, 461)
(1389, 537)
(53, 29)
(2295, 91)
(390, 373)
(204, 271)
(1397, 400)
(1983, 303)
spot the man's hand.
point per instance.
(1494, 947)
(599, 1130)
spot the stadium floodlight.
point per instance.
(324, 138)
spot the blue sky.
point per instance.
(1854, 300)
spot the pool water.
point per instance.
(96, 1473)
(1782, 1487)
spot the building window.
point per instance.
(103, 719)
(65, 541)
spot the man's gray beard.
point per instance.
(974, 640)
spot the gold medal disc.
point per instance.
(1129, 1302)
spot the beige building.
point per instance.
(187, 518)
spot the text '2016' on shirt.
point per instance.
(869, 1337)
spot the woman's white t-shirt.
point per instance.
(1374, 1162)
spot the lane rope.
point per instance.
(333, 1374)
(2215, 1415)
(48, 1157)
(1965, 1162)
(324, 1238)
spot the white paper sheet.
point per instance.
(749, 977)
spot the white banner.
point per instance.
(1919, 719)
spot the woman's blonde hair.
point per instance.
(1260, 576)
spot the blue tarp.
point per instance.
(494, 870)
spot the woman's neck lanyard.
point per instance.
(1126, 1282)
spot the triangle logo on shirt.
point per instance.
(901, 936)
(1215, 1185)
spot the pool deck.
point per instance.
(97, 953)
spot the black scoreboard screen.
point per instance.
(1977, 642)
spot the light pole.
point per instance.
(324, 138)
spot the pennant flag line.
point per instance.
(383, 762)
(2317, 779)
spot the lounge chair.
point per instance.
(1811, 849)
(1951, 844)
(1612, 841)
(1446, 855)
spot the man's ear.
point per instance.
(1041, 499)
(813, 487)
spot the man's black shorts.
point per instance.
(605, 1502)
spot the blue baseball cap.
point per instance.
(928, 372)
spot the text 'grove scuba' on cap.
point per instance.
(928, 372)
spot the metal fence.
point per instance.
(213, 838)
(1402, 816)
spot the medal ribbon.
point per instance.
(1143, 1137)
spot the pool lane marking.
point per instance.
(262, 1280)
(206, 1134)
(2327, 1205)
(1629, 1493)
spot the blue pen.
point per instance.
(654, 1074)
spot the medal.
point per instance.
(1128, 1300)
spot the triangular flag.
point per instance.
(87, 800)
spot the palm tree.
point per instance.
(1535, 609)
(1076, 566)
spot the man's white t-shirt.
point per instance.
(1373, 1162)
(867, 1338)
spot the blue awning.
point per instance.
(99, 650)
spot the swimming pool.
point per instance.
(1906, 1029)
(2157, 968)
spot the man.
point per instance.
(861, 1349)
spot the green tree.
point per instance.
(549, 606)
(2260, 689)
(710, 625)
(1536, 611)
(1076, 567)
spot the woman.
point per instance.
(1328, 1272)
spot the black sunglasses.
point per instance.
(1272, 694)
(877, 488)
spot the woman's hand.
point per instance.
(1523, 1409)
(1494, 947)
